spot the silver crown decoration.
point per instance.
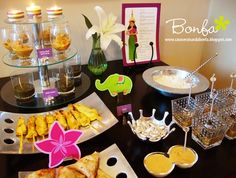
(149, 128)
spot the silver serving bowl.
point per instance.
(171, 80)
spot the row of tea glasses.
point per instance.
(211, 115)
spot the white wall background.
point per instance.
(174, 53)
(225, 63)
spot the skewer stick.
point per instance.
(33, 143)
(186, 129)
(93, 128)
(101, 123)
(21, 143)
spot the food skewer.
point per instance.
(50, 119)
(71, 121)
(31, 130)
(77, 115)
(21, 131)
(92, 114)
(41, 126)
(61, 119)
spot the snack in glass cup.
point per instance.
(60, 37)
(6, 40)
(22, 43)
(23, 51)
(61, 42)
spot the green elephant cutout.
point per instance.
(115, 84)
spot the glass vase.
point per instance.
(97, 63)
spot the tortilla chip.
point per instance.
(87, 165)
(102, 174)
(45, 173)
(66, 172)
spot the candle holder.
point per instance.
(54, 12)
(33, 12)
(15, 15)
(23, 86)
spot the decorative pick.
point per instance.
(232, 76)
(234, 107)
(190, 92)
(60, 144)
(185, 129)
(212, 79)
(212, 104)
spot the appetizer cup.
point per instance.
(60, 38)
(183, 158)
(6, 40)
(158, 165)
(22, 43)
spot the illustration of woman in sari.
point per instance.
(132, 32)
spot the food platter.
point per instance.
(119, 167)
(163, 79)
(9, 143)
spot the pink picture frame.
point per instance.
(142, 22)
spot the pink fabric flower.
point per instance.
(60, 144)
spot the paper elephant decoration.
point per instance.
(115, 84)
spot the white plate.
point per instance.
(92, 101)
(121, 166)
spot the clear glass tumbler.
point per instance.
(184, 110)
(208, 130)
(23, 86)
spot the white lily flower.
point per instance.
(106, 29)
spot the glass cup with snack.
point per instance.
(184, 110)
(208, 130)
(60, 39)
(45, 35)
(6, 40)
(22, 45)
